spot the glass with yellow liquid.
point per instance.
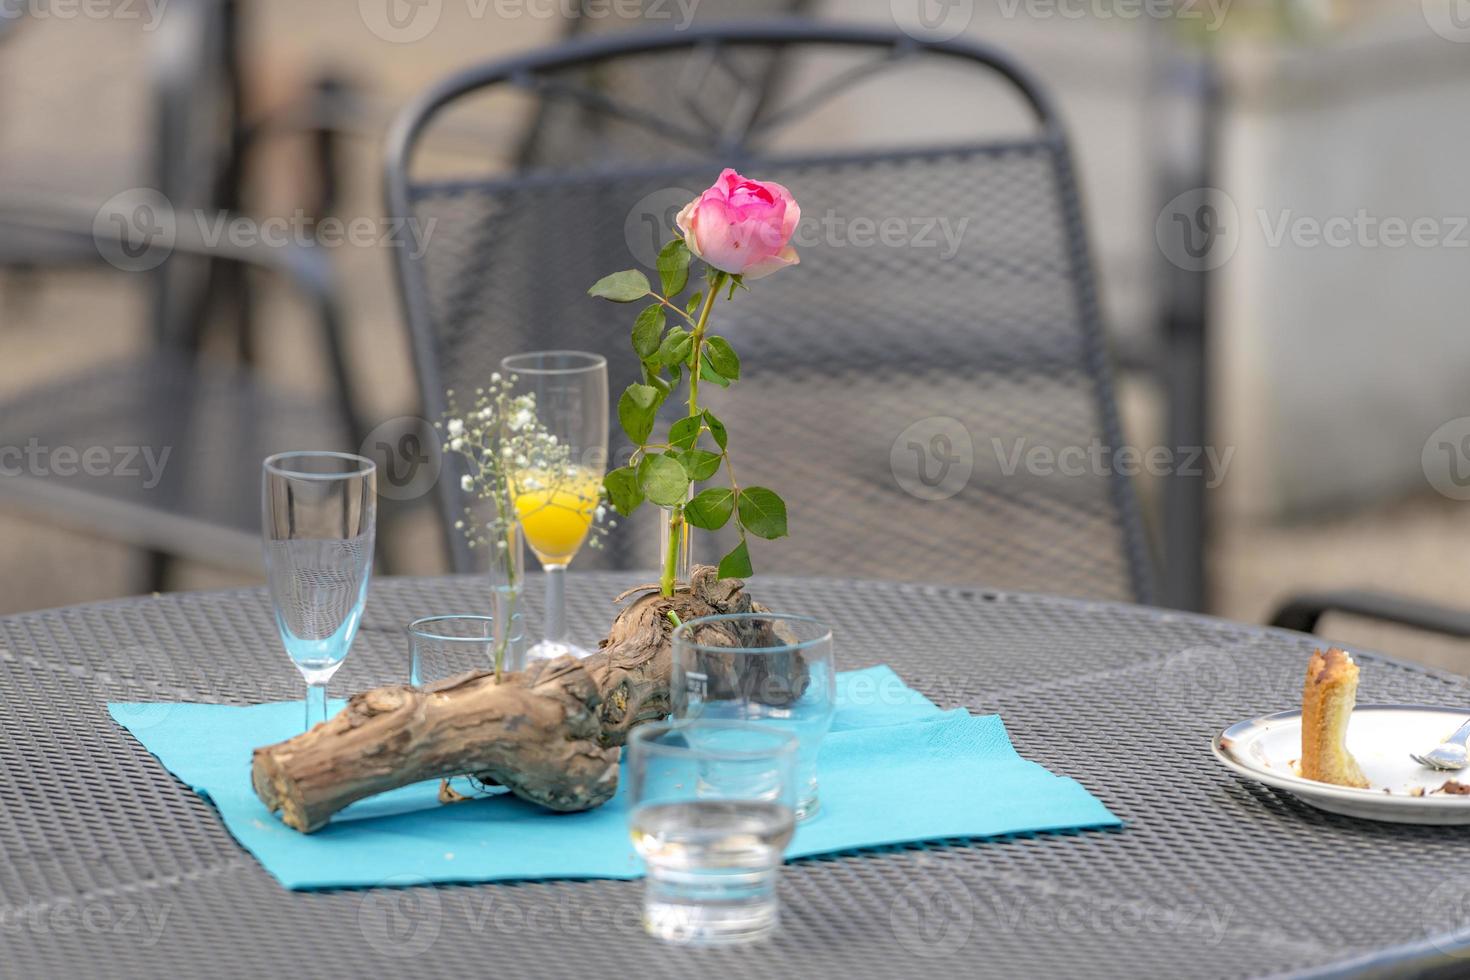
(556, 509)
(556, 493)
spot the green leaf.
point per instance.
(621, 287)
(676, 347)
(637, 409)
(711, 508)
(716, 428)
(650, 377)
(673, 267)
(622, 489)
(708, 373)
(700, 464)
(722, 357)
(693, 303)
(737, 563)
(685, 432)
(762, 513)
(663, 480)
(647, 330)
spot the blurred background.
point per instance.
(1311, 333)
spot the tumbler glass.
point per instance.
(778, 672)
(712, 814)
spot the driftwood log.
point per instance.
(550, 734)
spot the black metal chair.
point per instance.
(851, 362)
(561, 129)
(175, 438)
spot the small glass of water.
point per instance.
(770, 669)
(444, 646)
(712, 813)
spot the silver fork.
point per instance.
(1449, 754)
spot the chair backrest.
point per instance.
(928, 389)
(567, 129)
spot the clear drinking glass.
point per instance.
(770, 669)
(319, 516)
(712, 813)
(556, 496)
(445, 646)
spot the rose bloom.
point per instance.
(742, 226)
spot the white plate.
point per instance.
(1380, 737)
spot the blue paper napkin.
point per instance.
(894, 768)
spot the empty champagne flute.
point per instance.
(712, 814)
(777, 672)
(556, 495)
(319, 514)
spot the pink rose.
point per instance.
(742, 226)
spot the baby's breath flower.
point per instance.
(508, 451)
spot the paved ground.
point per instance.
(73, 119)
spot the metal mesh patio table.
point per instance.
(110, 867)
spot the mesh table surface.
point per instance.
(111, 868)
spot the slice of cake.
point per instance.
(1328, 697)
